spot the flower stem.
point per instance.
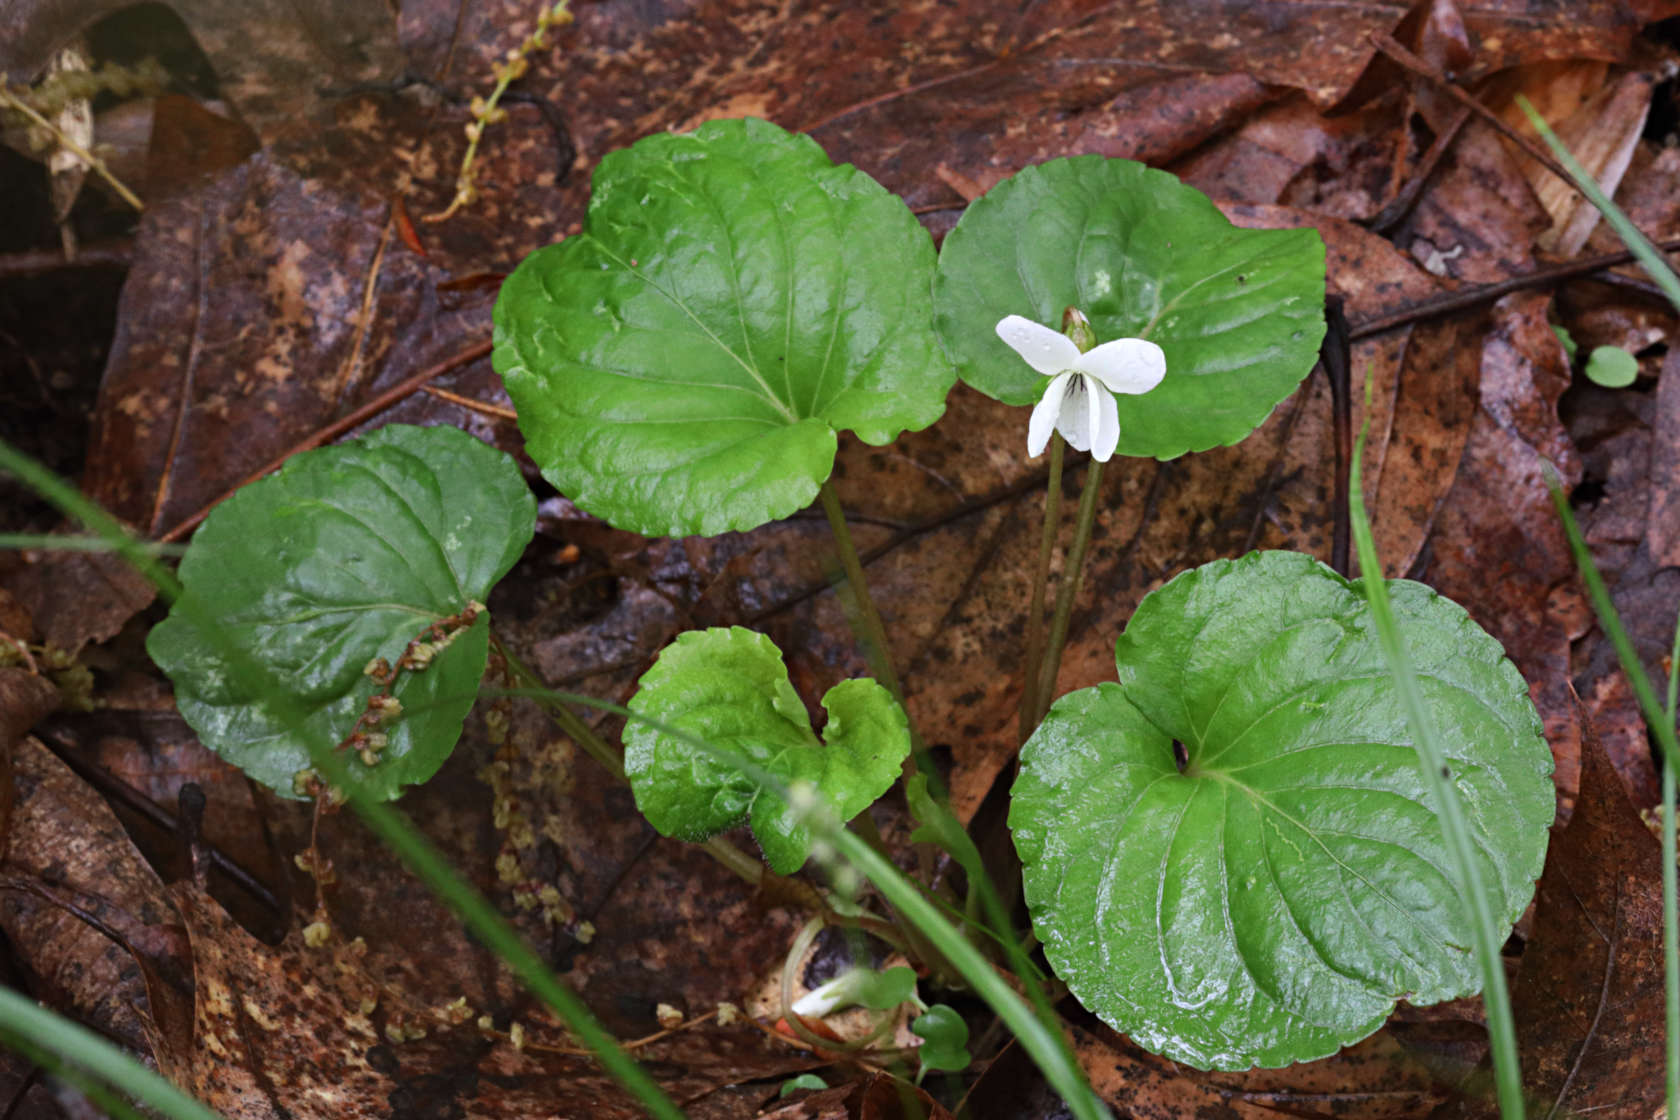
(1041, 577)
(874, 635)
(1072, 575)
(745, 867)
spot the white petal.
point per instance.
(1045, 412)
(1105, 433)
(1075, 420)
(1047, 351)
(1125, 365)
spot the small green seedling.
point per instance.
(859, 987)
(734, 301)
(1612, 367)
(1231, 855)
(728, 687)
(803, 1081)
(357, 575)
(1567, 340)
(944, 1038)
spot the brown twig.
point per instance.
(1387, 45)
(1406, 197)
(319, 868)
(365, 738)
(23, 651)
(67, 748)
(495, 411)
(352, 368)
(1463, 298)
(332, 431)
(63, 139)
(118, 252)
(1334, 355)
(632, 1044)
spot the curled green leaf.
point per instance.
(728, 687)
(878, 990)
(944, 1038)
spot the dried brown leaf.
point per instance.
(98, 909)
(293, 1031)
(1662, 528)
(77, 598)
(1377, 1079)
(271, 57)
(1497, 548)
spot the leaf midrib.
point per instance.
(1261, 800)
(751, 371)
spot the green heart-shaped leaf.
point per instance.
(728, 687)
(683, 364)
(944, 1039)
(348, 554)
(1272, 901)
(1238, 313)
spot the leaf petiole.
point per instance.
(874, 635)
(582, 734)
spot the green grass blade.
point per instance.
(1661, 725)
(1648, 255)
(108, 1100)
(1042, 1042)
(45, 542)
(1658, 268)
(70, 1043)
(1671, 907)
(420, 856)
(1502, 1030)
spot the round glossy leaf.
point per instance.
(348, 554)
(1271, 901)
(727, 687)
(1612, 367)
(734, 300)
(1238, 313)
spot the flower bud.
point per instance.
(1078, 329)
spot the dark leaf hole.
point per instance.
(1181, 756)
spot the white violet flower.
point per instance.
(1079, 403)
